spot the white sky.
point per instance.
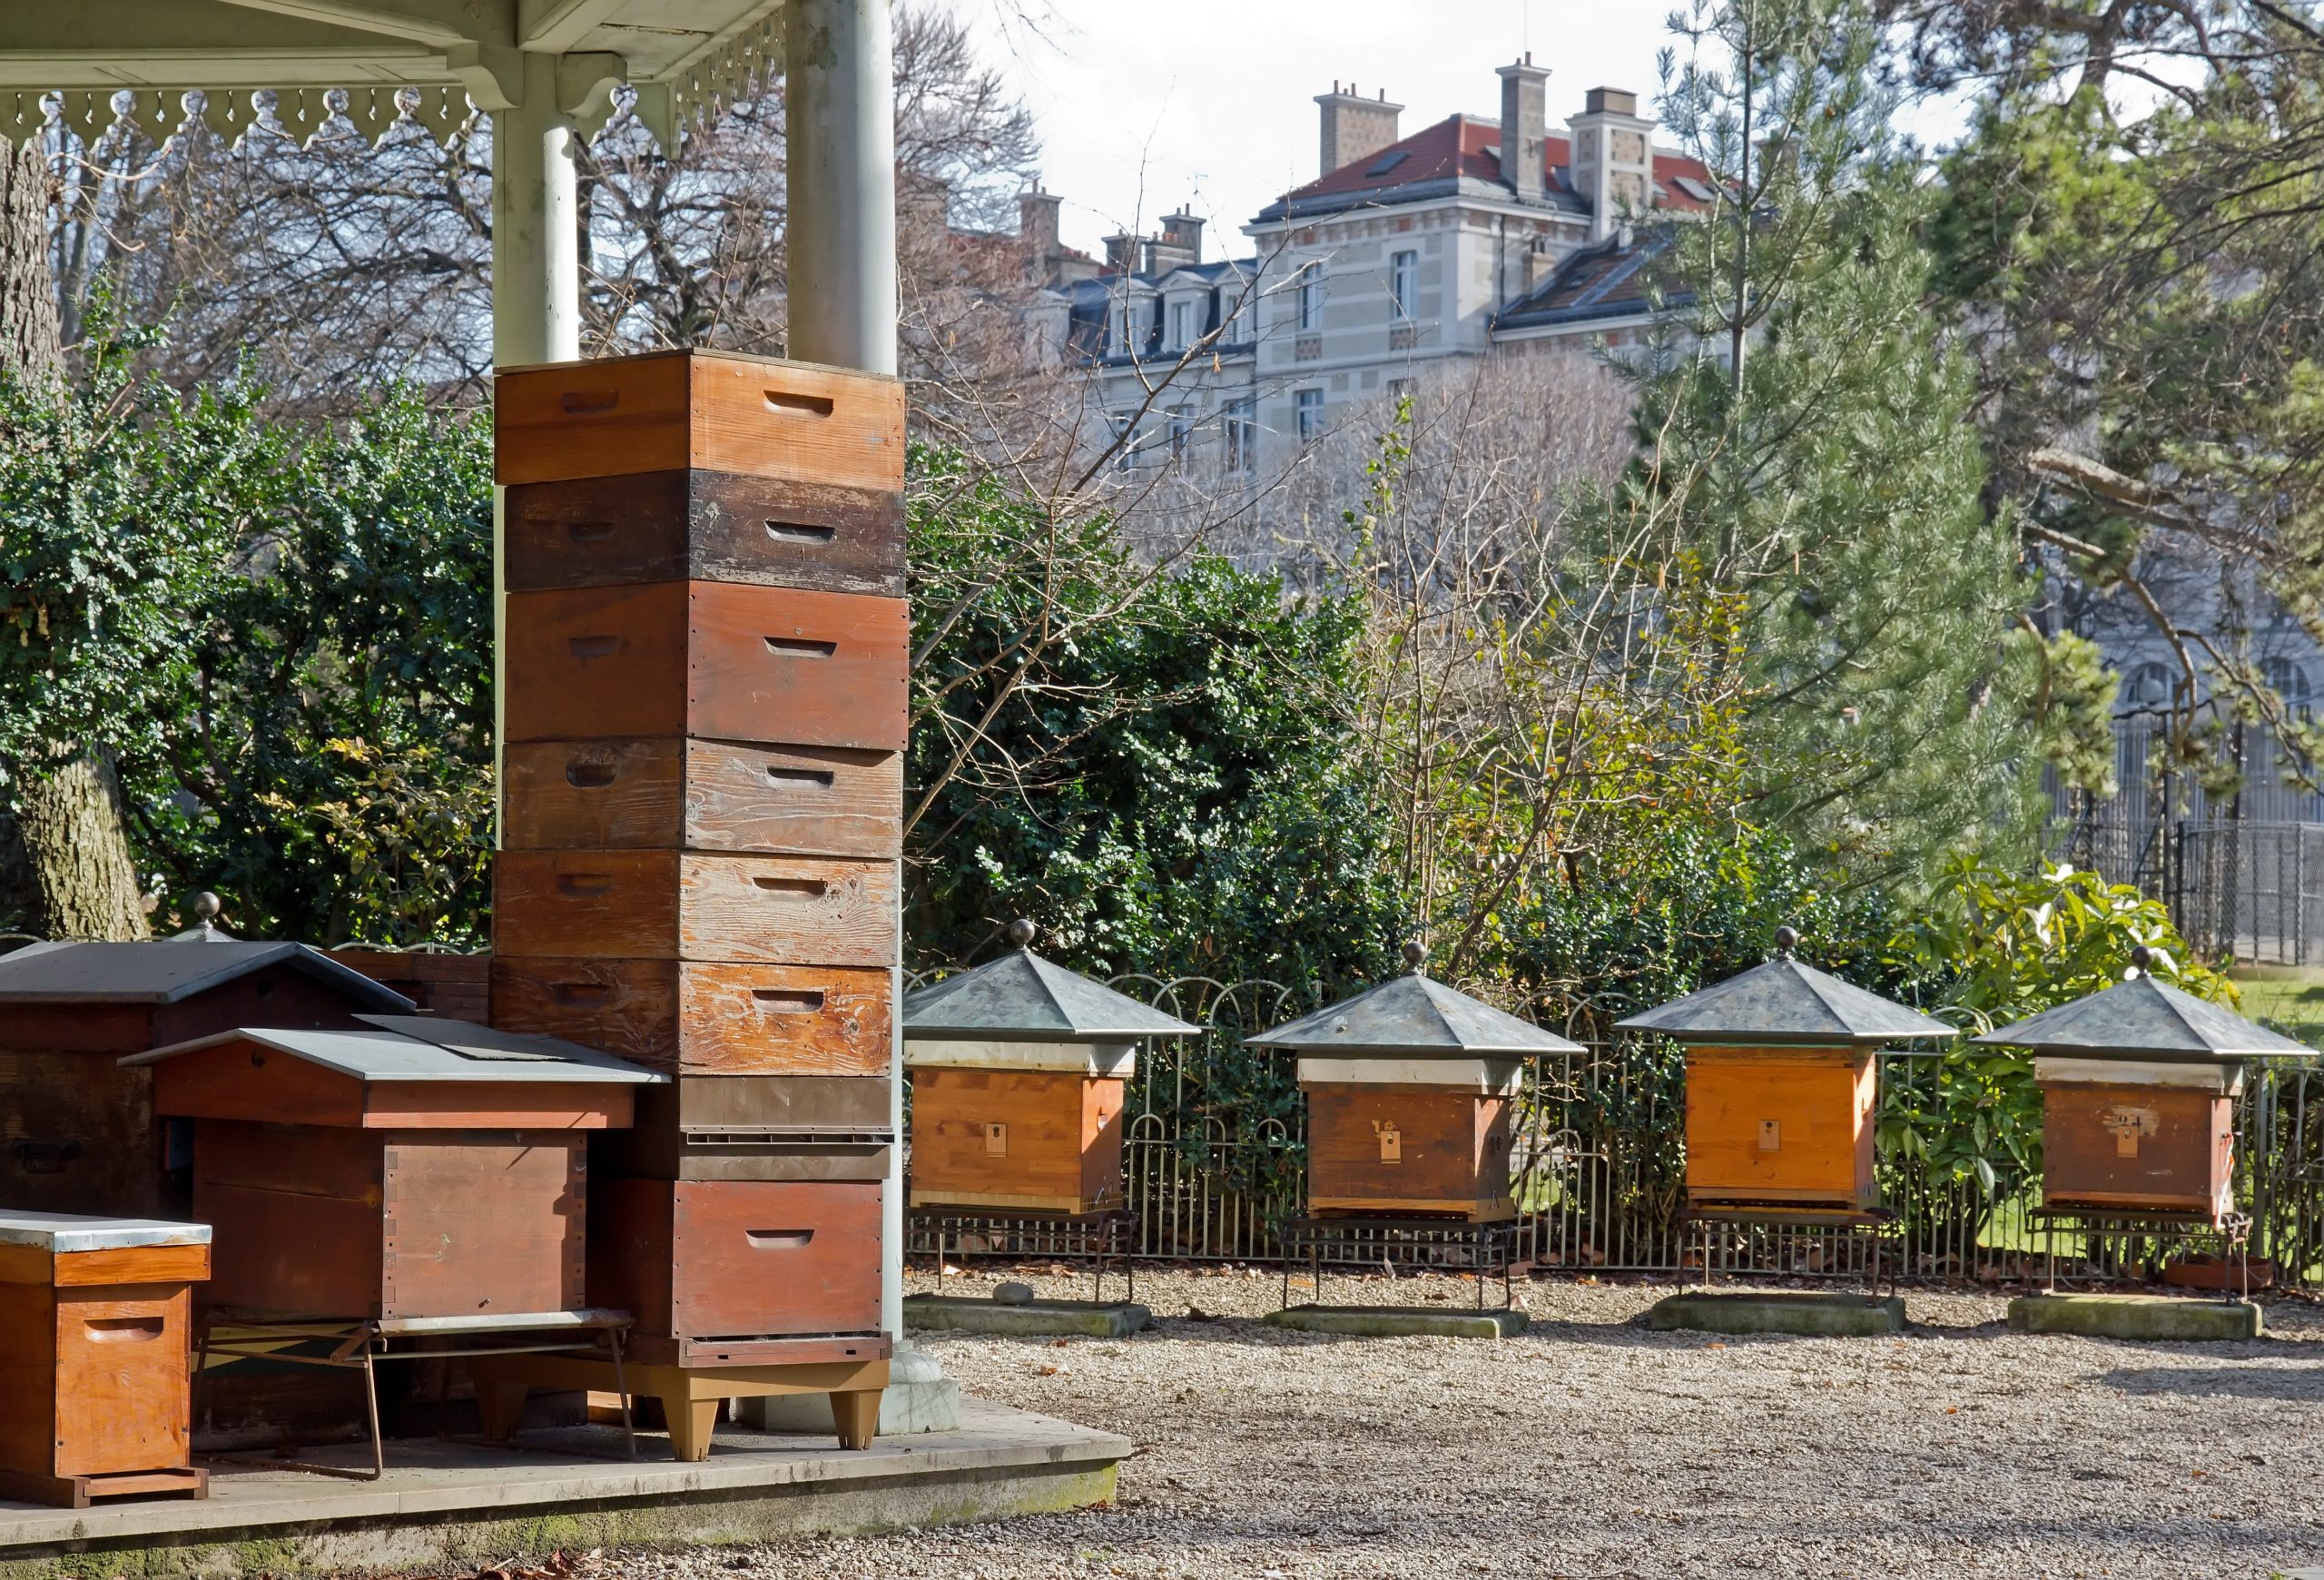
(1146, 105)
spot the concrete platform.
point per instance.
(1808, 1314)
(447, 1506)
(1400, 1321)
(1032, 1319)
(2154, 1318)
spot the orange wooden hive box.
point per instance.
(1411, 1089)
(414, 1168)
(2139, 1083)
(78, 1133)
(1019, 1076)
(1782, 1082)
(95, 1362)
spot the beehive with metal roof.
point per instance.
(1020, 1071)
(1410, 1088)
(1782, 1081)
(2139, 1083)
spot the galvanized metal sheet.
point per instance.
(165, 970)
(2144, 1019)
(1020, 997)
(1413, 1015)
(450, 1050)
(1784, 1002)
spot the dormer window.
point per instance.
(1182, 324)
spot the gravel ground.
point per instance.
(1592, 1447)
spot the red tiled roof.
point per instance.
(1457, 146)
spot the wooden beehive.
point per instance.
(672, 905)
(705, 796)
(411, 1169)
(79, 1131)
(1409, 1089)
(704, 1017)
(1409, 1137)
(96, 1318)
(1020, 1072)
(1782, 1085)
(2138, 1086)
(1779, 1126)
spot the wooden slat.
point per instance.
(78, 1134)
(667, 410)
(122, 1380)
(144, 1264)
(242, 1081)
(702, 795)
(742, 1102)
(290, 1255)
(28, 1377)
(563, 1105)
(307, 1159)
(702, 1017)
(733, 1259)
(704, 526)
(666, 905)
(475, 1224)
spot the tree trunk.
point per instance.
(74, 840)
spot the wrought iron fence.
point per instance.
(1216, 1151)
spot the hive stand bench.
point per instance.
(690, 1396)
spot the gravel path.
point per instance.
(1592, 1447)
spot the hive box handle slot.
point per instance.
(589, 531)
(587, 775)
(798, 532)
(585, 884)
(799, 647)
(789, 1000)
(592, 647)
(122, 1330)
(588, 403)
(796, 888)
(799, 405)
(580, 994)
(778, 1238)
(815, 778)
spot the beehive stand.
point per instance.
(706, 651)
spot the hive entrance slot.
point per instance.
(799, 405)
(795, 888)
(789, 1000)
(778, 1238)
(585, 884)
(592, 647)
(588, 776)
(586, 995)
(798, 532)
(813, 778)
(589, 531)
(799, 647)
(122, 1330)
(588, 403)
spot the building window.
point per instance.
(1242, 436)
(1182, 325)
(1182, 431)
(1403, 284)
(1310, 406)
(1311, 296)
(1399, 392)
(1125, 427)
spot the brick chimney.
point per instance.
(1525, 127)
(1182, 234)
(1122, 252)
(1039, 236)
(1354, 127)
(1613, 159)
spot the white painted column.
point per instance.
(840, 247)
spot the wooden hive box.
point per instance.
(669, 904)
(705, 796)
(704, 1017)
(1021, 1138)
(2125, 1138)
(415, 1168)
(1419, 1137)
(1786, 1126)
(95, 1378)
(739, 1271)
(78, 1133)
(713, 660)
(756, 417)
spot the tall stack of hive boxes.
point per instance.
(705, 647)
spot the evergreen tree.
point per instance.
(1808, 442)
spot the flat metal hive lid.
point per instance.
(168, 970)
(426, 1048)
(2143, 1019)
(67, 1232)
(1786, 1002)
(1020, 997)
(1413, 1015)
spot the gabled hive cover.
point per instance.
(1784, 1003)
(2144, 1020)
(1412, 1015)
(168, 970)
(1022, 998)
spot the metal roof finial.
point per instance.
(1786, 940)
(1415, 955)
(1022, 933)
(2141, 959)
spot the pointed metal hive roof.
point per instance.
(1786, 1002)
(1022, 998)
(2143, 1019)
(1409, 1015)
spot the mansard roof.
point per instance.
(1610, 279)
(1435, 161)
